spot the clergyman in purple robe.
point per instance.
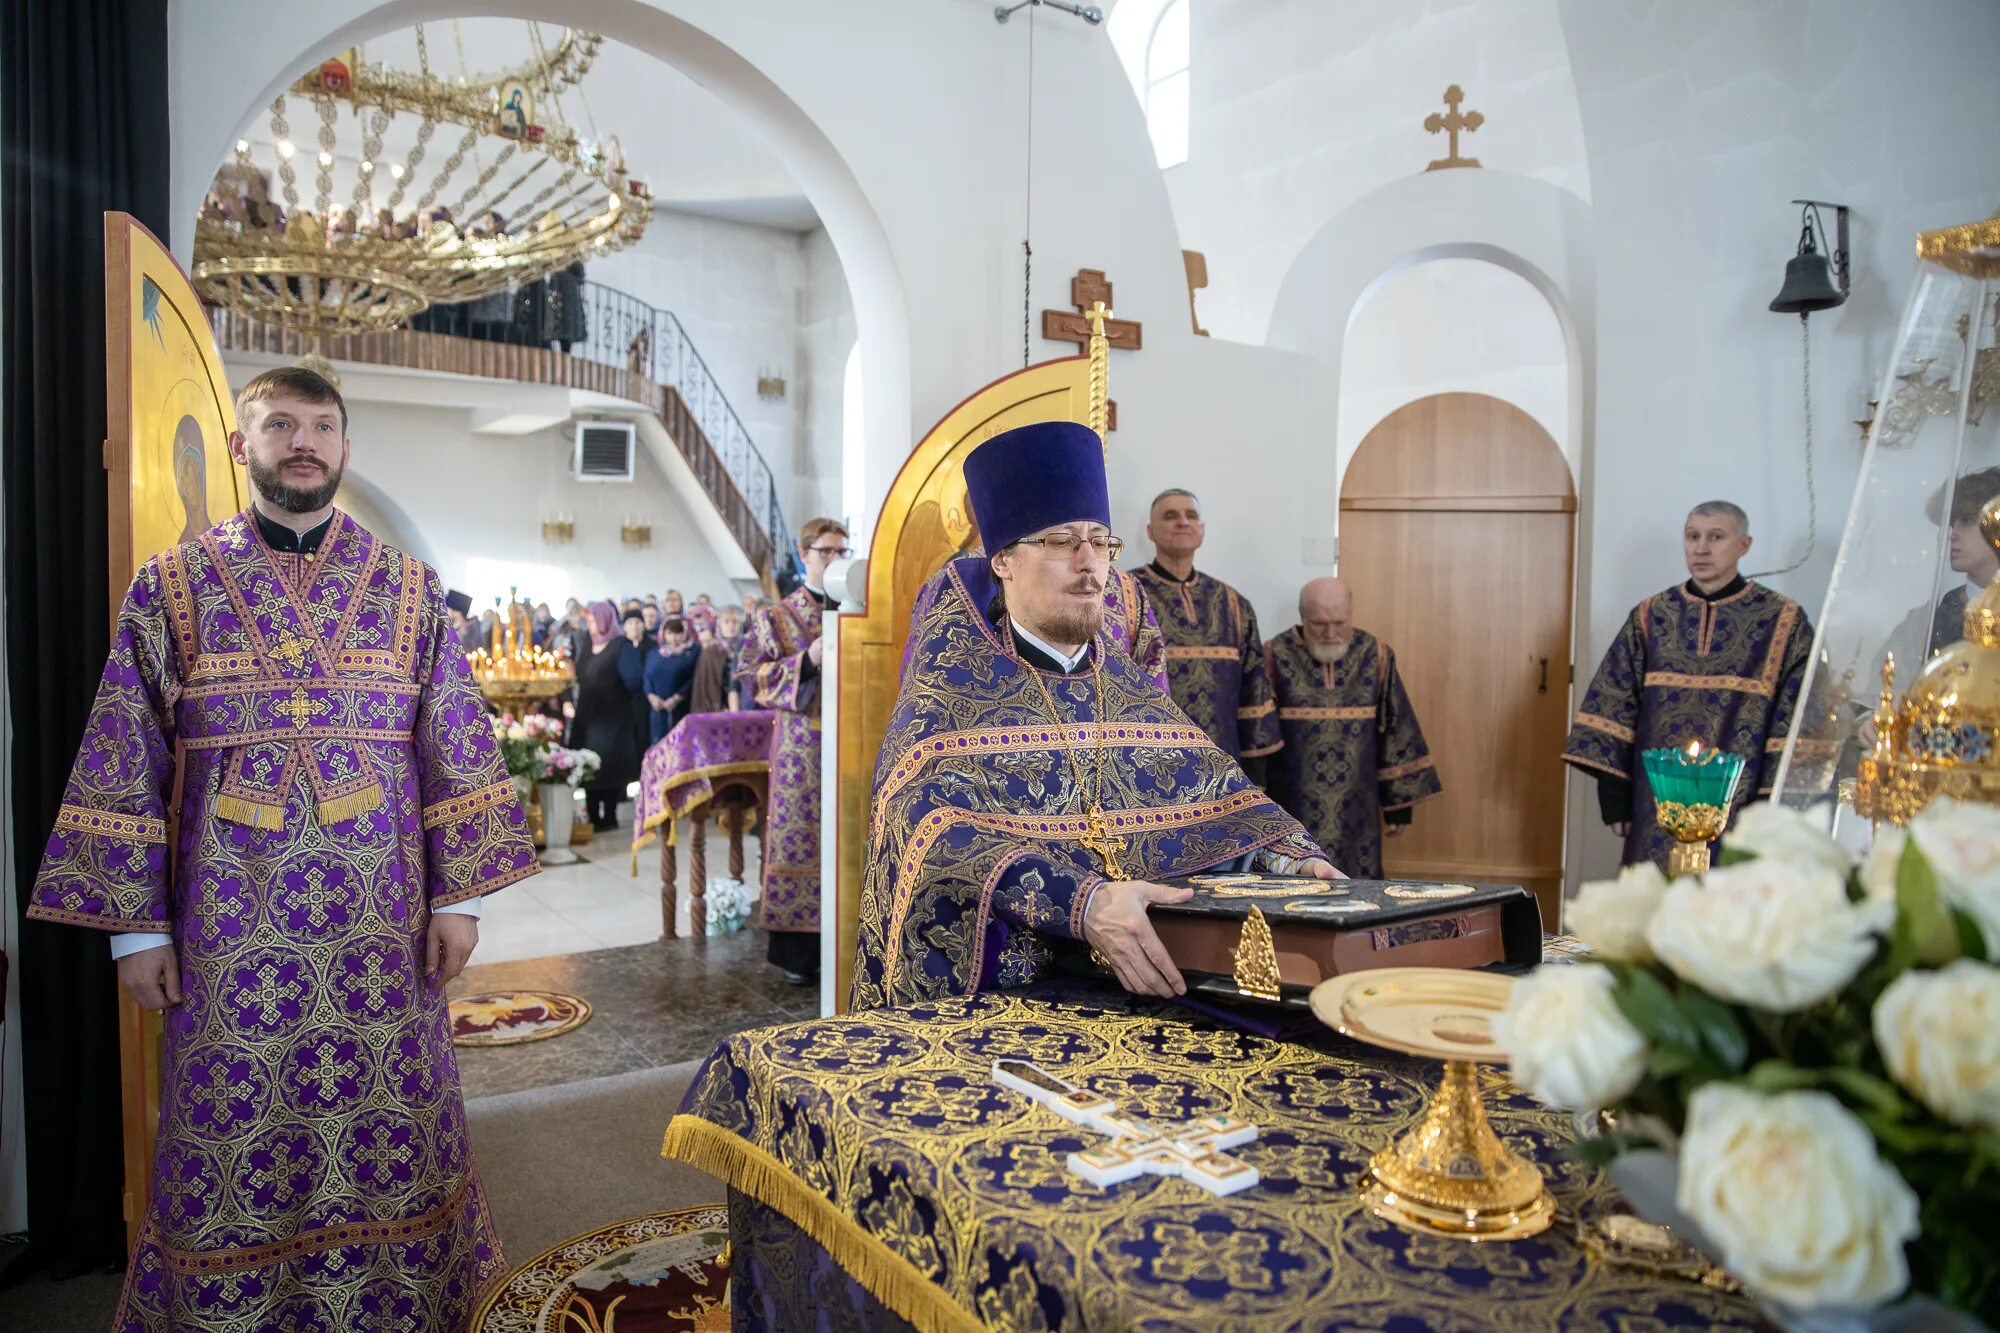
(286, 806)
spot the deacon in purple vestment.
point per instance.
(286, 800)
(1033, 783)
(1719, 660)
(1355, 764)
(779, 669)
(1215, 661)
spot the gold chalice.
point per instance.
(1450, 1175)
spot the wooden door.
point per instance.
(1457, 524)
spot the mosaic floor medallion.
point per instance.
(662, 1273)
(507, 1018)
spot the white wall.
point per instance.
(736, 290)
(826, 334)
(1453, 326)
(1300, 107)
(479, 501)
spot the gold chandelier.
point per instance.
(373, 262)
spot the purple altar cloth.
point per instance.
(679, 774)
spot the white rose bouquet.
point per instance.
(1817, 1041)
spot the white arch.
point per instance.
(1529, 227)
(210, 114)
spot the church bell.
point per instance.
(1810, 275)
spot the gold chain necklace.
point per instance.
(1097, 837)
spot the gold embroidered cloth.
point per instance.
(883, 1135)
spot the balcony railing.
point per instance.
(621, 330)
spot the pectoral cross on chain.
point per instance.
(1097, 839)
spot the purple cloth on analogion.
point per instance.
(679, 773)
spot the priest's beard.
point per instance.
(269, 479)
(1328, 653)
(1067, 622)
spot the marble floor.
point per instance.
(596, 903)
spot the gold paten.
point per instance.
(1939, 739)
(1694, 827)
(1450, 1175)
(1257, 959)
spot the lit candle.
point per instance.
(1694, 751)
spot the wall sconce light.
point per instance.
(636, 534)
(558, 530)
(1815, 280)
(770, 386)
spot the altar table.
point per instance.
(879, 1178)
(710, 763)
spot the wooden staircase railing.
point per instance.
(446, 354)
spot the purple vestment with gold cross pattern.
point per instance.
(982, 853)
(1215, 661)
(777, 672)
(1354, 753)
(288, 768)
(1726, 672)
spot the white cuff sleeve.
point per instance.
(138, 941)
(470, 907)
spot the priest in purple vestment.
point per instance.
(1215, 661)
(1034, 784)
(1718, 659)
(779, 669)
(285, 809)
(1355, 764)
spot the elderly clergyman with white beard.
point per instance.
(1354, 764)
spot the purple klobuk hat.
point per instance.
(1035, 477)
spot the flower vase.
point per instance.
(558, 801)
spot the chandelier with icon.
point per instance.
(488, 188)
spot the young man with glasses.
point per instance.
(1034, 785)
(779, 669)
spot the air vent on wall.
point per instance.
(603, 451)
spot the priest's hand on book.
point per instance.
(1116, 926)
(152, 977)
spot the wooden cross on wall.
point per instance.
(1452, 123)
(1086, 289)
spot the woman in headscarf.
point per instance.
(604, 704)
(670, 677)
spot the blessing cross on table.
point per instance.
(1451, 122)
(1193, 1151)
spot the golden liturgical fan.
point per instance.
(1939, 739)
(1450, 1175)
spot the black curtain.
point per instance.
(83, 129)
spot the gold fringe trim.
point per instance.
(336, 808)
(251, 814)
(887, 1275)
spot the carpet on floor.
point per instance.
(509, 1018)
(561, 1161)
(663, 1273)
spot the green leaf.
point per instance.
(1868, 1091)
(1601, 1150)
(1721, 1035)
(1733, 856)
(1769, 1076)
(1971, 939)
(1924, 932)
(1649, 1006)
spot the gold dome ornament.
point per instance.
(1939, 739)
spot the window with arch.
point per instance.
(1166, 88)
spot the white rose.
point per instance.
(1961, 840)
(1768, 934)
(1878, 868)
(517, 732)
(1611, 915)
(1940, 1037)
(1566, 1040)
(1779, 833)
(1790, 1189)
